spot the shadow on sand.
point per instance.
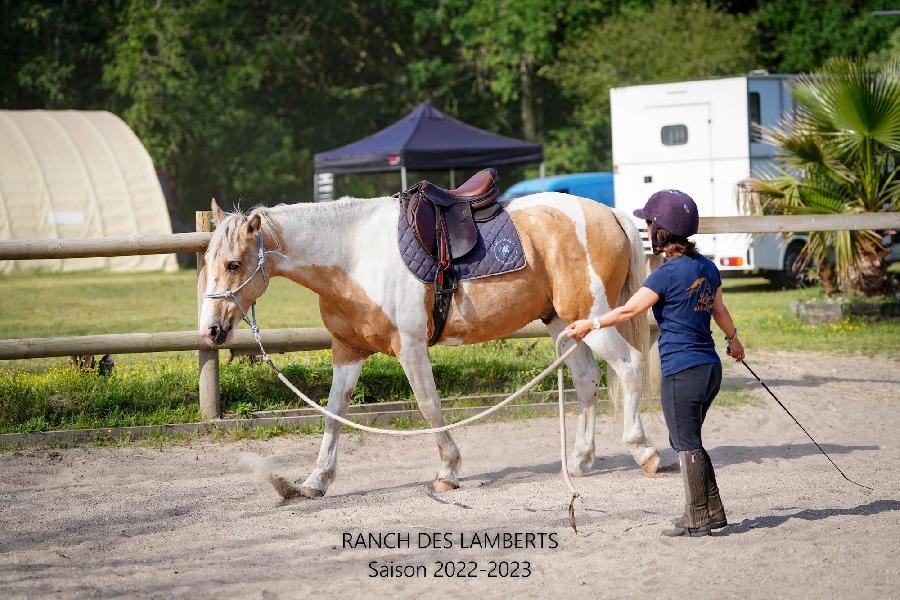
(809, 514)
(721, 456)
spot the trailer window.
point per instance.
(674, 135)
(755, 117)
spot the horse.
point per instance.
(582, 258)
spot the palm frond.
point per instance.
(838, 154)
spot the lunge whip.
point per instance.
(803, 428)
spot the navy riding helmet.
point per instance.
(673, 210)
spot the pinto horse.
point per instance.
(581, 259)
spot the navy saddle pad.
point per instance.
(498, 250)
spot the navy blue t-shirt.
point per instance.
(686, 286)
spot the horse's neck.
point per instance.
(317, 235)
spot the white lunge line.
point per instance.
(557, 365)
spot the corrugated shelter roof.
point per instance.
(428, 140)
(68, 174)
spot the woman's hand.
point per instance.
(735, 349)
(579, 329)
(642, 299)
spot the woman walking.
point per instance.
(685, 294)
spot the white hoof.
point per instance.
(650, 464)
(443, 485)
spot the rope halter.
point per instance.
(230, 294)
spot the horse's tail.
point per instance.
(636, 331)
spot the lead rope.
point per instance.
(555, 365)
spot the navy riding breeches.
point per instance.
(686, 396)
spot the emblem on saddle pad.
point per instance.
(505, 251)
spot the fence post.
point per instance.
(209, 359)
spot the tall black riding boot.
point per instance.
(717, 518)
(695, 473)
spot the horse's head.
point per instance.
(231, 262)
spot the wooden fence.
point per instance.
(285, 340)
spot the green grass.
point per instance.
(151, 392)
(47, 305)
(38, 395)
(765, 322)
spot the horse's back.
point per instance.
(582, 245)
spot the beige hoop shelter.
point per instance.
(73, 174)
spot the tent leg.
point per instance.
(543, 174)
(403, 179)
(452, 180)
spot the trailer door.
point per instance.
(678, 152)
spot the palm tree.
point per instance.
(840, 153)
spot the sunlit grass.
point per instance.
(766, 323)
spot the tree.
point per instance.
(509, 43)
(841, 155)
(670, 41)
(53, 53)
(796, 36)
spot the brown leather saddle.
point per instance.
(444, 223)
(440, 216)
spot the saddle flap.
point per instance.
(460, 229)
(422, 219)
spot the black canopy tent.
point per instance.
(425, 140)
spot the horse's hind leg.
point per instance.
(586, 376)
(625, 361)
(414, 359)
(345, 373)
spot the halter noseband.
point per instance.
(230, 294)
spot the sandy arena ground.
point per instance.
(189, 521)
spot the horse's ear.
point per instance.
(251, 227)
(218, 214)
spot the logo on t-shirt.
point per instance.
(701, 291)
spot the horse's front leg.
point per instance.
(345, 373)
(414, 359)
(586, 377)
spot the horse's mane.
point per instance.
(228, 229)
(337, 211)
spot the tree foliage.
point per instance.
(232, 98)
(801, 35)
(667, 42)
(509, 44)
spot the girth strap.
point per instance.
(445, 283)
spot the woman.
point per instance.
(685, 292)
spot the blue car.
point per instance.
(595, 186)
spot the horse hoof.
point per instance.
(579, 467)
(651, 465)
(443, 485)
(576, 472)
(311, 492)
(283, 487)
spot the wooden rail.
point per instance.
(196, 242)
(276, 340)
(800, 223)
(133, 245)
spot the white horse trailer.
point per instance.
(699, 137)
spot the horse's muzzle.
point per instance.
(217, 334)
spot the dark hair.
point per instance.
(673, 244)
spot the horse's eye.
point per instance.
(233, 265)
